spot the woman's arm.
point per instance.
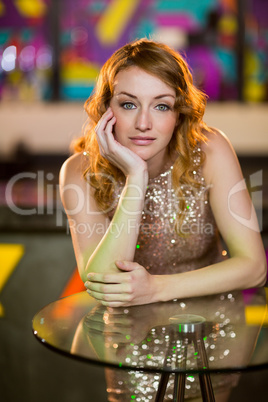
(97, 242)
(237, 222)
(238, 225)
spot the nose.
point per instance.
(143, 120)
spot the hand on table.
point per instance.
(119, 325)
(133, 286)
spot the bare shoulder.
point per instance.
(73, 186)
(219, 154)
(72, 170)
(217, 143)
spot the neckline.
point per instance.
(165, 171)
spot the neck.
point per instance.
(159, 164)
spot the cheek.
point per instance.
(122, 125)
(168, 126)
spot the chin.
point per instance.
(143, 154)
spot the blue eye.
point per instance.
(128, 105)
(162, 107)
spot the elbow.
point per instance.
(263, 279)
(83, 277)
(82, 272)
(259, 277)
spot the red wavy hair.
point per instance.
(163, 62)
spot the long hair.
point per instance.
(163, 62)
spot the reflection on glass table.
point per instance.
(183, 349)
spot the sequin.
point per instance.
(163, 251)
(161, 346)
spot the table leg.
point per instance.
(204, 378)
(180, 378)
(179, 387)
(162, 387)
(206, 388)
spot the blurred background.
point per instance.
(50, 55)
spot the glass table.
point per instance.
(163, 351)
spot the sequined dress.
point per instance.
(161, 250)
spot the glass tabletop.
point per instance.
(220, 333)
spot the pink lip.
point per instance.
(142, 140)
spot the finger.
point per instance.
(104, 118)
(108, 288)
(100, 129)
(111, 297)
(102, 152)
(104, 328)
(109, 127)
(111, 145)
(109, 278)
(118, 317)
(118, 321)
(114, 336)
(102, 142)
(102, 124)
(95, 318)
(127, 265)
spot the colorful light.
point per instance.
(9, 57)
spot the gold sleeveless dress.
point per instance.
(161, 250)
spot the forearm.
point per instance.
(119, 241)
(232, 274)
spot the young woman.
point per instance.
(151, 188)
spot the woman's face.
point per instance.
(145, 117)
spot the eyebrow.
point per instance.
(135, 97)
